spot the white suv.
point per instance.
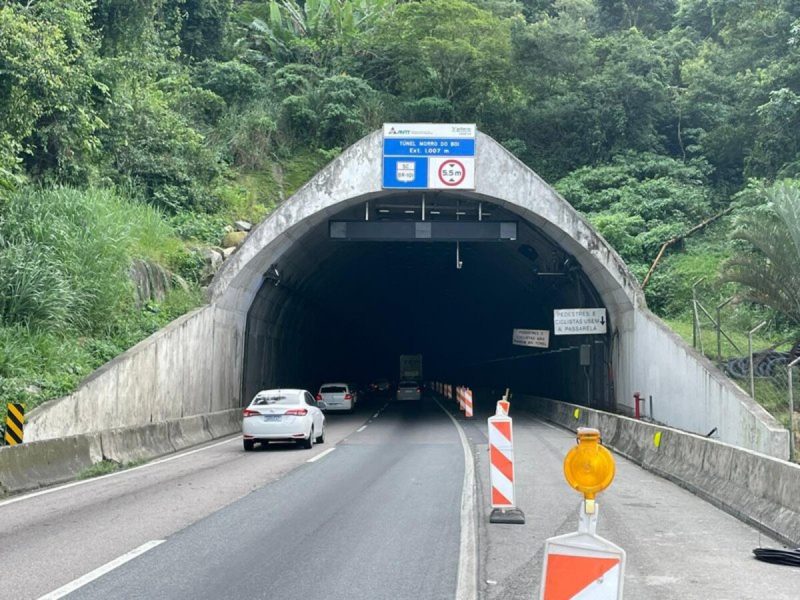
(337, 396)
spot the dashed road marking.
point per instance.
(320, 455)
(360, 429)
(100, 571)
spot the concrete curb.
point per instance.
(47, 462)
(32, 465)
(760, 490)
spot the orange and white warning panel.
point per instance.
(501, 471)
(582, 565)
(501, 458)
(468, 410)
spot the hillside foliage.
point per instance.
(140, 129)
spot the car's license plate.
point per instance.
(271, 418)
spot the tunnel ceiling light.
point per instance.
(383, 210)
(409, 212)
(435, 212)
(460, 212)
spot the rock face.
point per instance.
(151, 281)
(212, 261)
(234, 238)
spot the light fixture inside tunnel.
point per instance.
(273, 275)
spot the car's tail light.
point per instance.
(250, 413)
(319, 397)
(348, 396)
(297, 412)
(419, 390)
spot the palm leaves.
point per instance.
(316, 29)
(769, 269)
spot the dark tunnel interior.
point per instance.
(335, 310)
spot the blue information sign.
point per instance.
(428, 156)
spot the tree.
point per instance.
(768, 268)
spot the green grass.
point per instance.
(761, 340)
(67, 304)
(105, 466)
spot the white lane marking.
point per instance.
(321, 454)
(376, 415)
(467, 560)
(115, 473)
(360, 429)
(100, 571)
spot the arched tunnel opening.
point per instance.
(344, 302)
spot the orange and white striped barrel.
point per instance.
(460, 397)
(502, 408)
(501, 457)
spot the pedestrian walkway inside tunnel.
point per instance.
(438, 274)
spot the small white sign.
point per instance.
(534, 338)
(405, 171)
(429, 130)
(579, 321)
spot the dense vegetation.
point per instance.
(141, 129)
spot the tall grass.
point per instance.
(64, 255)
(66, 299)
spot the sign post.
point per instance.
(435, 156)
(583, 565)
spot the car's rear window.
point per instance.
(408, 384)
(283, 399)
(333, 389)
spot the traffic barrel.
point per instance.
(467, 402)
(501, 471)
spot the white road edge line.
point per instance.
(360, 429)
(100, 571)
(467, 561)
(114, 474)
(321, 454)
(376, 415)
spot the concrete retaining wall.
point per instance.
(191, 367)
(689, 391)
(47, 462)
(758, 489)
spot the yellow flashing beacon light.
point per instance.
(589, 466)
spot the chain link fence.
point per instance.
(762, 372)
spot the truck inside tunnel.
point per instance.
(440, 274)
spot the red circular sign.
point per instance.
(452, 172)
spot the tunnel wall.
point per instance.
(689, 391)
(190, 367)
(194, 365)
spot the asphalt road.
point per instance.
(678, 546)
(378, 517)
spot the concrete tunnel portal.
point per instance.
(309, 297)
(317, 305)
(337, 309)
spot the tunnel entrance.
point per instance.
(344, 307)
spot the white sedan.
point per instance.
(283, 415)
